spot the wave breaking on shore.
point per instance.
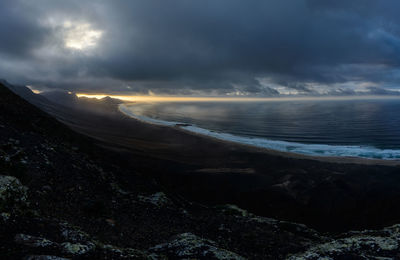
(325, 150)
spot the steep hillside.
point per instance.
(61, 195)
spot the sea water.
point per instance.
(356, 128)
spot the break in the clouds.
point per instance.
(223, 47)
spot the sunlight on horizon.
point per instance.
(133, 98)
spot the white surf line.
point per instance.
(323, 150)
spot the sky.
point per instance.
(209, 47)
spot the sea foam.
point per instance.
(368, 152)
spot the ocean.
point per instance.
(357, 128)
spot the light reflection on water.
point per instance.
(372, 123)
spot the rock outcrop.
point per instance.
(368, 244)
(190, 246)
(13, 196)
(158, 199)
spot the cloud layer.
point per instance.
(224, 47)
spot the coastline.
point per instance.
(322, 158)
(328, 194)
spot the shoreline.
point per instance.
(270, 151)
(328, 194)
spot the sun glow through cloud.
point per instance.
(81, 36)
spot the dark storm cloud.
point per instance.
(19, 33)
(225, 46)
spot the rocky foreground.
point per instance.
(64, 197)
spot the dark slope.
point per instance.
(334, 197)
(55, 183)
(62, 195)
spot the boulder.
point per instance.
(76, 249)
(113, 252)
(32, 241)
(234, 210)
(376, 244)
(190, 246)
(13, 195)
(158, 199)
(44, 257)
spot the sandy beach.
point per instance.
(346, 192)
(331, 159)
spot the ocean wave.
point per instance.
(368, 152)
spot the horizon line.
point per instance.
(143, 98)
